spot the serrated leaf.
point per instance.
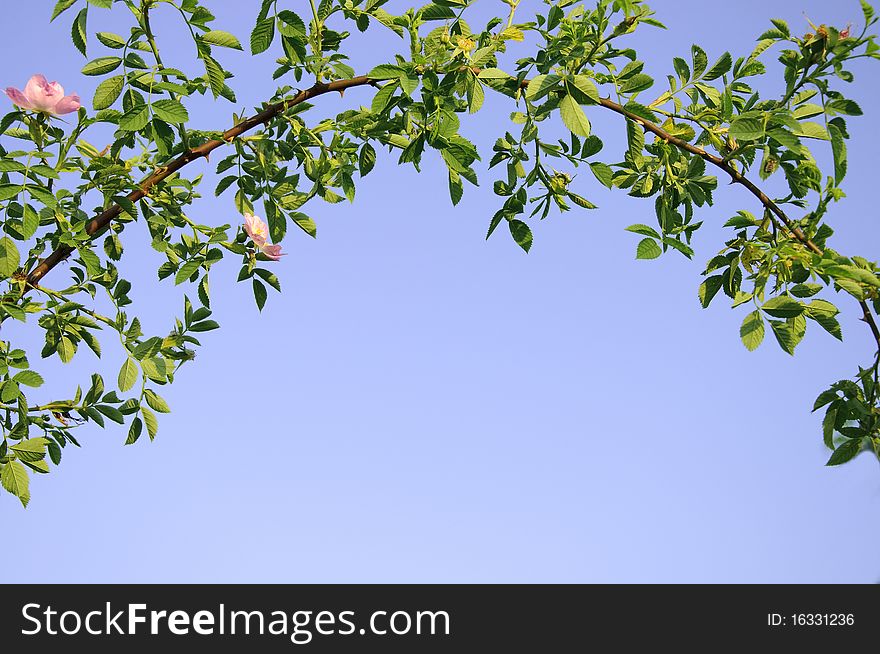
(128, 375)
(14, 478)
(10, 259)
(107, 92)
(31, 449)
(150, 421)
(541, 85)
(221, 38)
(521, 233)
(644, 230)
(215, 75)
(171, 111)
(260, 293)
(783, 307)
(186, 271)
(719, 68)
(78, 30)
(752, 331)
(709, 289)
(111, 40)
(747, 129)
(60, 7)
(366, 159)
(648, 248)
(29, 378)
(573, 116)
(261, 38)
(101, 66)
(602, 172)
(156, 402)
(134, 432)
(135, 119)
(845, 452)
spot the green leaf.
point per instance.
(156, 402)
(587, 88)
(811, 131)
(60, 7)
(150, 421)
(170, 111)
(66, 349)
(221, 38)
(14, 478)
(107, 92)
(709, 289)
(78, 30)
(783, 307)
(493, 73)
(305, 223)
(846, 452)
(838, 149)
(29, 378)
(261, 38)
(644, 230)
(128, 375)
(541, 85)
(648, 248)
(602, 172)
(260, 293)
(719, 68)
(204, 326)
(32, 449)
(747, 129)
(10, 391)
(521, 233)
(216, 77)
(752, 331)
(574, 117)
(637, 83)
(135, 119)
(386, 71)
(111, 412)
(134, 432)
(700, 60)
(186, 271)
(10, 259)
(366, 159)
(787, 335)
(111, 40)
(101, 66)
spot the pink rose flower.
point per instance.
(42, 95)
(273, 252)
(259, 234)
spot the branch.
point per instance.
(102, 220)
(739, 178)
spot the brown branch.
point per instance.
(739, 178)
(101, 221)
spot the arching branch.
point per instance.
(102, 220)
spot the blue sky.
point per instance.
(421, 405)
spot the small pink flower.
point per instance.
(273, 252)
(844, 33)
(256, 229)
(259, 233)
(42, 95)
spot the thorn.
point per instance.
(341, 92)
